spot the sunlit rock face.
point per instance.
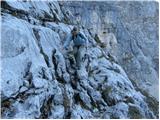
(135, 27)
(39, 79)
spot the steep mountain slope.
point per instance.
(38, 75)
(135, 25)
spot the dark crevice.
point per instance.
(74, 84)
(78, 101)
(55, 63)
(48, 18)
(6, 8)
(42, 73)
(46, 108)
(67, 105)
(107, 99)
(60, 79)
(68, 116)
(74, 80)
(6, 104)
(54, 19)
(76, 98)
(114, 69)
(93, 103)
(66, 18)
(83, 105)
(28, 75)
(36, 33)
(54, 59)
(24, 15)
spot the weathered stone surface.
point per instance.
(130, 30)
(39, 77)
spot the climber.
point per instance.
(80, 45)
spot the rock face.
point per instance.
(135, 27)
(39, 76)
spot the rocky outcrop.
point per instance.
(135, 27)
(39, 76)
